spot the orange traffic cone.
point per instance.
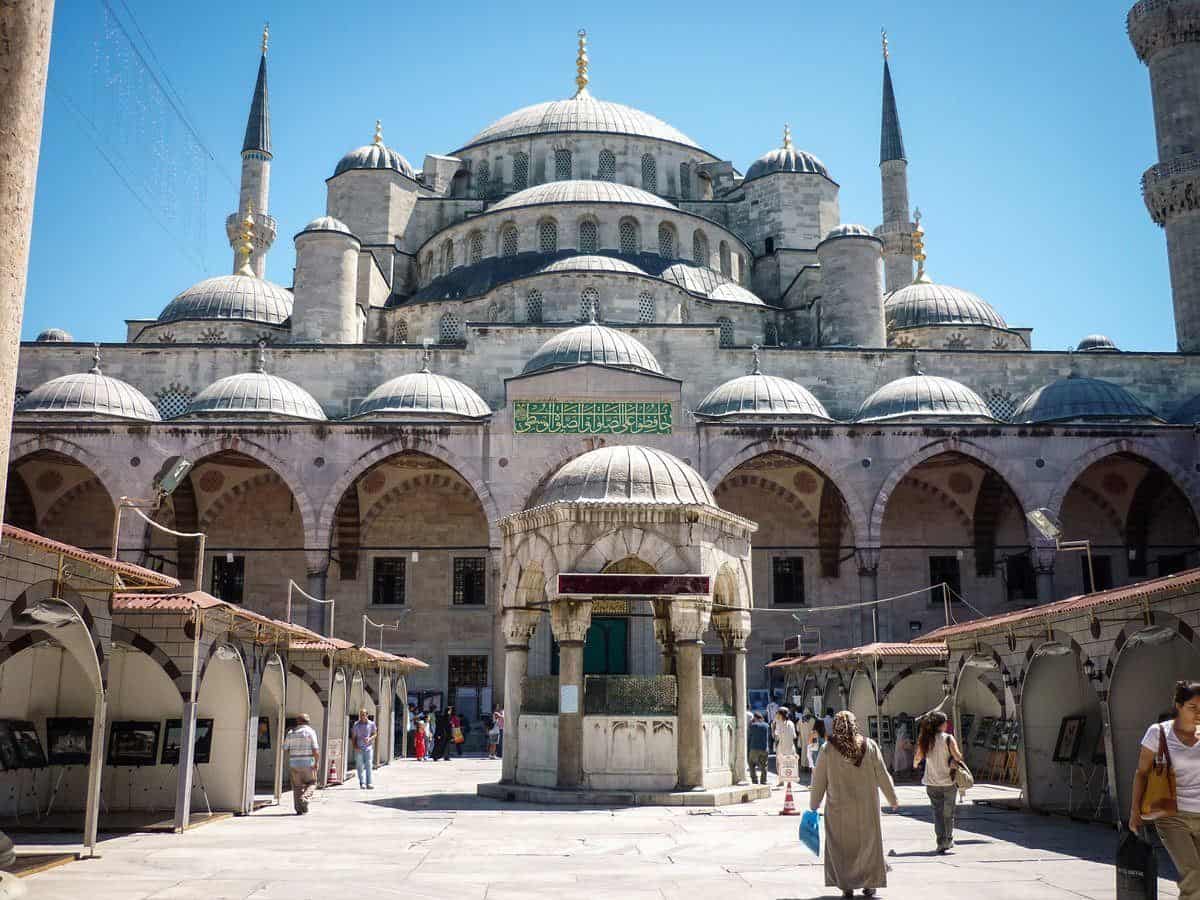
(789, 805)
(333, 775)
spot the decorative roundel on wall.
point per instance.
(805, 482)
(49, 480)
(961, 483)
(1114, 483)
(135, 461)
(319, 462)
(503, 462)
(212, 480)
(374, 483)
(1040, 463)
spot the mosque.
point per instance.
(583, 309)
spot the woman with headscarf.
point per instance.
(442, 734)
(849, 775)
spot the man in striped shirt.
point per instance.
(303, 752)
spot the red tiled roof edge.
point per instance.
(127, 570)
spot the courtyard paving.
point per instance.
(423, 833)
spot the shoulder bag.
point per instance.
(1159, 798)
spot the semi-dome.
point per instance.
(762, 397)
(706, 282)
(1097, 343)
(626, 475)
(54, 336)
(595, 344)
(786, 159)
(328, 223)
(923, 397)
(579, 191)
(926, 303)
(256, 394)
(583, 113)
(1076, 397)
(587, 262)
(88, 394)
(423, 394)
(732, 292)
(240, 297)
(375, 155)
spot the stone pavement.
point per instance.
(423, 834)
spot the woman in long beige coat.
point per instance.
(849, 776)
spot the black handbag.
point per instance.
(1137, 868)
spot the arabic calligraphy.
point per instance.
(591, 417)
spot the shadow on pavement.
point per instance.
(453, 803)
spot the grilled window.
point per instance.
(469, 581)
(483, 179)
(700, 248)
(945, 570)
(548, 236)
(629, 237)
(520, 171)
(588, 237)
(509, 241)
(476, 252)
(533, 306)
(666, 240)
(562, 165)
(726, 327)
(589, 305)
(649, 174)
(606, 170)
(387, 584)
(449, 329)
(787, 580)
(229, 578)
(645, 307)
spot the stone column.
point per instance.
(570, 620)
(519, 626)
(1043, 567)
(871, 620)
(689, 621)
(734, 628)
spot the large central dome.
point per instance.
(583, 113)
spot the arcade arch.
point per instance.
(60, 497)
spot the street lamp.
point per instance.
(1049, 528)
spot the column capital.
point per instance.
(519, 626)
(733, 625)
(570, 620)
(868, 560)
(1043, 557)
(689, 620)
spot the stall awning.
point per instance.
(867, 652)
(1145, 590)
(131, 575)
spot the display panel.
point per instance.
(133, 744)
(68, 741)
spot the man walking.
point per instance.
(759, 744)
(363, 735)
(303, 754)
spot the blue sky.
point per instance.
(1027, 127)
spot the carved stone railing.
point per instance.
(1156, 25)
(1172, 188)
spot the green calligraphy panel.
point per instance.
(591, 417)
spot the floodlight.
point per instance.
(1043, 521)
(171, 475)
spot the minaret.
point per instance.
(256, 177)
(896, 230)
(1166, 36)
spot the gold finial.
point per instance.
(425, 358)
(245, 246)
(378, 133)
(757, 361)
(915, 364)
(266, 36)
(260, 362)
(883, 32)
(918, 242)
(787, 136)
(581, 65)
(95, 370)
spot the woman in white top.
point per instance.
(785, 736)
(940, 752)
(1180, 833)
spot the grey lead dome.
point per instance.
(89, 394)
(240, 297)
(1076, 397)
(579, 191)
(786, 159)
(593, 344)
(54, 336)
(328, 223)
(1097, 343)
(424, 394)
(924, 303)
(924, 397)
(374, 156)
(256, 394)
(764, 397)
(627, 475)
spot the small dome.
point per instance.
(595, 344)
(762, 396)
(54, 336)
(423, 394)
(626, 475)
(328, 223)
(580, 192)
(734, 293)
(255, 394)
(88, 394)
(848, 230)
(707, 282)
(239, 297)
(374, 156)
(923, 397)
(1075, 397)
(786, 159)
(925, 303)
(1097, 343)
(591, 263)
(581, 113)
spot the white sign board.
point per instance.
(568, 699)
(788, 768)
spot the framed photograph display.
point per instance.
(1014, 735)
(966, 722)
(984, 734)
(133, 744)
(1070, 736)
(264, 733)
(68, 741)
(173, 741)
(27, 743)
(996, 736)
(9, 758)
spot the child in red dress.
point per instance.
(419, 739)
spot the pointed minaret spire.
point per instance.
(256, 176)
(258, 126)
(896, 230)
(581, 66)
(891, 140)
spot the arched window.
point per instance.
(447, 256)
(520, 171)
(666, 240)
(606, 168)
(548, 236)
(400, 331)
(726, 327)
(649, 174)
(476, 245)
(743, 277)
(449, 329)
(589, 305)
(533, 306)
(645, 307)
(685, 181)
(588, 241)
(771, 334)
(726, 264)
(509, 241)
(700, 247)
(630, 242)
(562, 165)
(483, 179)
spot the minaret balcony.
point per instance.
(1172, 188)
(264, 229)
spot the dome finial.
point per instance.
(425, 359)
(787, 136)
(260, 361)
(266, 36)
(95, 369)
(757, 361)
(883, 33)
(915, 364)
(378, 133)
(918, 242)
(581, 65)
(245, 246)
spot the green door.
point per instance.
(606, 651)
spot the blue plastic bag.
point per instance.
(810, 831)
